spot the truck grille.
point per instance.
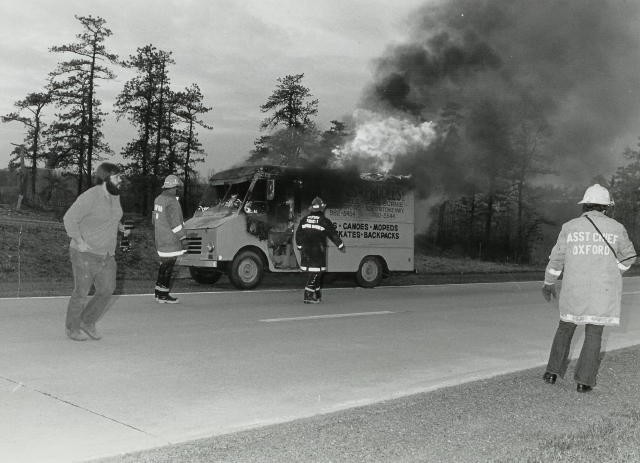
(194, 245)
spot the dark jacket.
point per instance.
(168, 224)
(311, 239)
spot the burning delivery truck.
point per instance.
(248, 229)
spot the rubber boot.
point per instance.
(163, 296)
(309, 297)
(167, 298)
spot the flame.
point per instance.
(380, 140)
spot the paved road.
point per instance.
(223, 362)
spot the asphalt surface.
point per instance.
(229, 361)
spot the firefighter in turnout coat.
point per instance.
(593, 251)
(311, 239)
(170, 236)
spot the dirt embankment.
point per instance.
(34, 260)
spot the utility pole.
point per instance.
(22, 175)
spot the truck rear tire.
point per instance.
(205, 276)
(369, 272)
(247, 270)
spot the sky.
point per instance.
(233, 49)
(388, 66)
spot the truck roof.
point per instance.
(247, 172)
(242, 174)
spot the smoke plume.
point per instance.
(481, 67)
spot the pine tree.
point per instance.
(143, 100)
(73, 84)
(291, 107)
(189, 109)
(33, 103)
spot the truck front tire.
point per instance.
(205, 276)
(369, 272)
(247, 270)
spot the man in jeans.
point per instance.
(92, 222)
(593, 251)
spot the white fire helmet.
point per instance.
(597, 194)
(171, 181)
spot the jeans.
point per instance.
(163, 283)
(90, 270)
(589, 360)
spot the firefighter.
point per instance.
(592, 251)
(170, 237)
(311, 240)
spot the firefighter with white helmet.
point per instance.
(170, 237)
(311, 239)
(592, 252)
(596, 194)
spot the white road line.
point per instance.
(334, 315)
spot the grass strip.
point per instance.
(510, 418)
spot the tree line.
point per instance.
(166, 120)
(489, 210)
(484, 165)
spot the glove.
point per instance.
(343, 249)
(549, 291)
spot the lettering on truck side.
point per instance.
(357, 230)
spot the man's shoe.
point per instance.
(90, 331)
(550, 378)
(167, 299)
(583, 388)
(76, 335)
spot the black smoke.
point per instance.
(570, 65)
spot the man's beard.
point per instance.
(112, 188)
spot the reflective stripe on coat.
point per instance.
(591, 274)
(311, 239)
(168, 224)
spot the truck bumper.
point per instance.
(189, 261)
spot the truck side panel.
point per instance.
(382, 228)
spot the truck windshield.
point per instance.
(232, 199)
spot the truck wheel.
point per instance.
(369, 273)
(246, 270)
(205, 276)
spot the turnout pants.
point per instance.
(165, 273)
(313, 288)
(589, 360)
